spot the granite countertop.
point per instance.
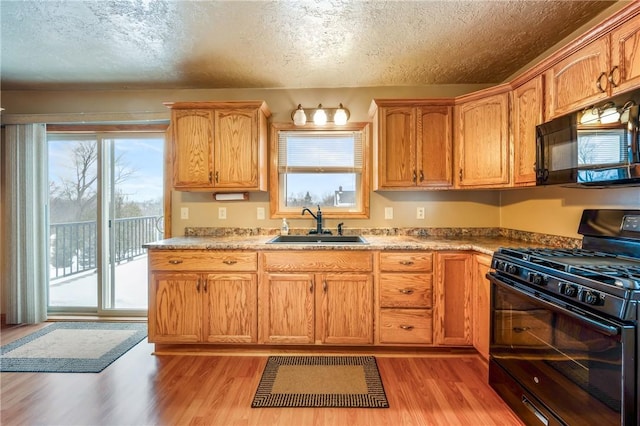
(481, 244)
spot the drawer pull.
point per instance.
(229, 262)
(406, 291)
(406, 262)
(175, 261)
(406, 327)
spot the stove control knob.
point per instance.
(591, 298)
(512, 269)
(537, 279)
(570, 290)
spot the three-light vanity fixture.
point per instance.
(320, 115)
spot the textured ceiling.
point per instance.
(275, 44)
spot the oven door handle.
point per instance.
(551, 303)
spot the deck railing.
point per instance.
(73, 245)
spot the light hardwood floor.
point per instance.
(144, 389)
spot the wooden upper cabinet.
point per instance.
(435, 146)
(625, 57)
(527, 114)
(236, 151)
(219, 146)
(605, 67)
(482, 140)
(192, 148)
(413, 143)
(579, 80)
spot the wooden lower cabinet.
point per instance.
(288, 308)
(304, 297)
(453, 309)
(300, 304)
(405, 297)
(203, 308)
(188, 304)
(481, 304)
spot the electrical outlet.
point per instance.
(184, 213)
(260, 213)
(388, 212)
(222, 212)
(420, 213)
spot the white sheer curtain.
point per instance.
(24, 217)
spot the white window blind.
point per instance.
(336, 152)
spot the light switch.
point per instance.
(222, 212)
(388, 212)
(184, 213)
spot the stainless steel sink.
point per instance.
(317, 239)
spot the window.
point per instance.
(317, 166)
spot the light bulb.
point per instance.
(299, 117)
(320, 116)
(609, 115)
(340, 117)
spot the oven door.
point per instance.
(572, 368)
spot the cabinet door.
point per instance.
(625, 57)
(231, 308)
(346, 308)
(397, 148)
(483, 139)
(236, 148)
(527, 114)
(288, 308)
(481, 304)
(579, 80)
(453, 300)
(192, 148)
(175, 308)
(434, 146)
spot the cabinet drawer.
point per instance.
(406, 326)
(200, 260)
(406, 262)
(321, 260)
(406, 290)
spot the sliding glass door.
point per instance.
(106, 201)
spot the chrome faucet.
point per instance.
(318, 218)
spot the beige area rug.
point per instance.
(320, 381)
(71, 347)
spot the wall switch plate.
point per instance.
(260, 213)
(222, 212)
(420, 213)
(184, 212)
(388, 212)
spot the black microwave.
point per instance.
(595, 147)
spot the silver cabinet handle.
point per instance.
(406, 291)
(175, 261)
(610, 78)
(229, 262)
(598, 84)
(406, 327)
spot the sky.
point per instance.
(144, 156)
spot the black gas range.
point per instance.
(586, 280)
(564, 327)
